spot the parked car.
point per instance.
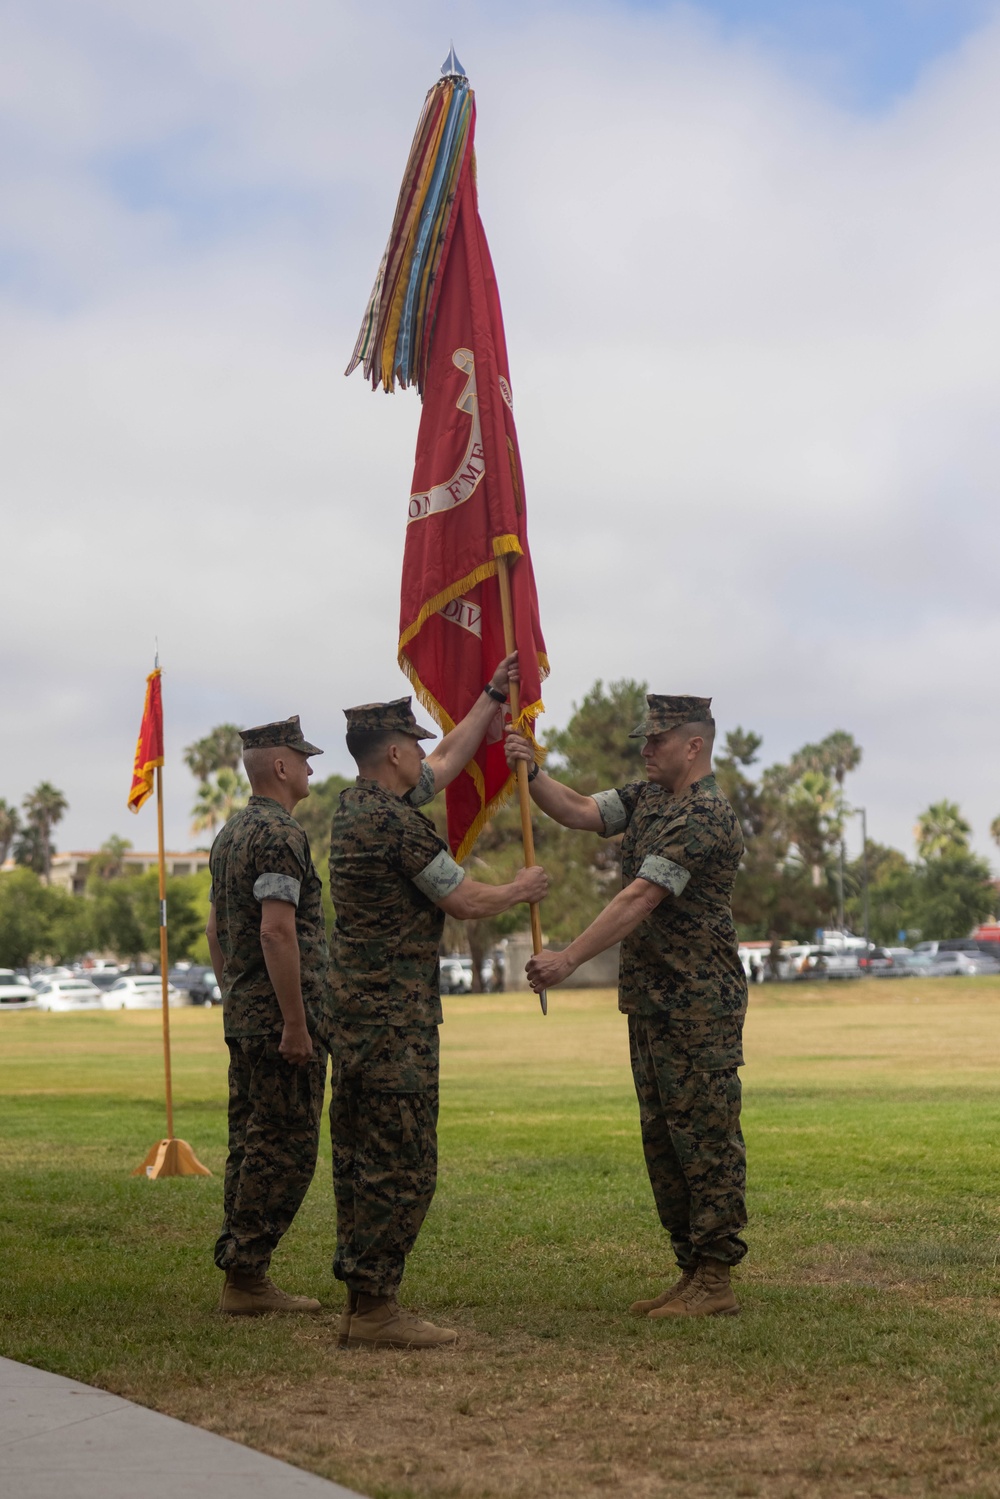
(139, 991)
(64, 994)
(949, 944)
(954, 964)
(838, 962)
(456, 975)
(202, 987)
(45, 976)
(16, 994)
(886, 962)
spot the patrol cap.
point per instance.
(287, 732)
(666, 713)
(390, 718)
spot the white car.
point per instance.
(69, 994)
(38, 981)
(139, 991)
(16, 995)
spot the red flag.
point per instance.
(466, 510)
(149, 747)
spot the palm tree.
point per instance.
(942, 831)
(109, 861)
(44, 807)
(221, 749)
(217, 800)
(835, 756)
(234, 790)
(995, 830)
(9, 824)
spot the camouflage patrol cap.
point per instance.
(666, 713)
(392, 718)
(287, 733)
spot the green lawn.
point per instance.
(865, 1361)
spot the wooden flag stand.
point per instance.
(169, 1157)
(524, 795)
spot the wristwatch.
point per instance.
(495, 693)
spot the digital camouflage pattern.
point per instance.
(261, 853)
(285, 732)
(274, 1118)
(693, 1145)
(383, 1129)
(682, 962)
(395, 717)
(384, 951)
(665, 712)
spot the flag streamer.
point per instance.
(434, 320)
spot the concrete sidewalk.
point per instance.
(63, 1440)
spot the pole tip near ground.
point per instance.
(543, 1000)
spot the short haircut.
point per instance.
(258, 762)
(366, 745)
(705, 727)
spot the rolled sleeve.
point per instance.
(277, 887)
(665, 872)
(614, 814)
(425, 790)
(440, 877)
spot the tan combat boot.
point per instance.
(643, 1308)
(344, 1326)
(254, 1295)
(708, 1294)
(380, 1322)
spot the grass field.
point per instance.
(865, 1361)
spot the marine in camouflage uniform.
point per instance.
(682, 986)
(391, 880)
(260, 864)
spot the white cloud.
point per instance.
(753, 358)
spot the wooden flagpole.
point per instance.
(168, 1157)
(524, 795)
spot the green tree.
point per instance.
(25, 917)
(952, 895)
(892, 893)
(218, 799)
(994, 831)
(594, 751)
(9, 825)
(221, 749)
(44, 808)
(109, 861)
(942, 832)
(29, 851)
(126, 915)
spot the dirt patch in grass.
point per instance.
(510, 1418)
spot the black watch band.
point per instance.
(495, 693)
(534, 771)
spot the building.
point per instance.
(69, 871)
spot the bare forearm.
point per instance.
(281, 958)
(216, 954)
(620, 917)
(564, 805)
(472, 901)
(457, 748)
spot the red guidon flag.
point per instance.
(149, 748)
(434, 320)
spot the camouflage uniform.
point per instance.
(682, 986)
(262, 853)
(388, 867)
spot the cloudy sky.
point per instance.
(748, 251)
